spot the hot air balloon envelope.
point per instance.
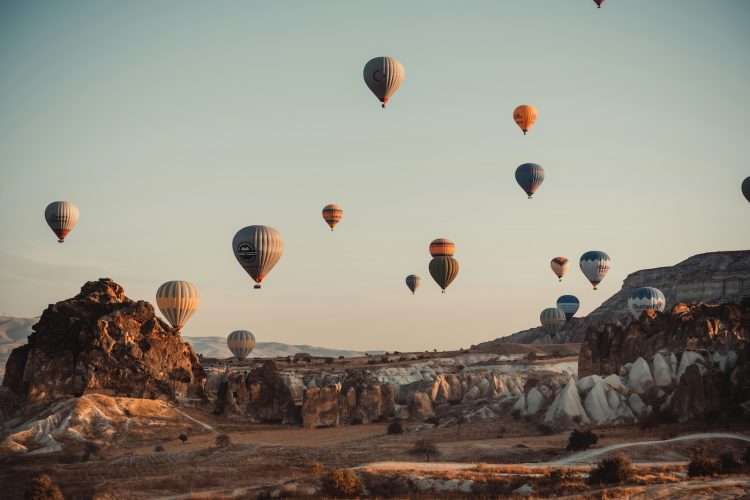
(177, 301)
(413, 281)
(383, 76)
(595, 264)
(443, 270)
(442, 247)
(559, 266)
(525, 116)
(241, 343)
(258, 249)
(61, 216)
(645, 298)
(568, 304)
(552, 320)
(529, 176)
(332, 214)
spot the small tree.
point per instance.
(43, 488)
(223, 441)
(183, 437)
(425, 447)
(580, 440)
(615, 470)
(396, 427)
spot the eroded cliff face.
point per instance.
(711, 278)
(100, 341)
(699, 327)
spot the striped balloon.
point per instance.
(559, 266)
(568, 304)
(552, 320)
(595, 265)
(61, 216)
(530, 176)
(383, 76)
(258, 249)
(444, 270)
(525, 116)
(177, 301)
(746, 188)
(646, 298)
(442, 247)
(332, 214)
(241, 343)
(413, 281)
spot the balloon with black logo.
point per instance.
(257, 249)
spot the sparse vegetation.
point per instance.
(388, 485)
(314, 467)
(545, 430)
(183, 437)
(615, 470)
(425, 447)
(702, 466)
(43, 487)
(223, 441)
(581, 440)
(396, 427)
(341, 483)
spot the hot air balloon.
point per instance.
(559, 266)
(442, 247)
(599, 3)
(332, 214)
(746, 188)
(61, 217)
(530, 176)
(443, 270)
(552, 320)
(241, 343)
(258, 249)
(569, 305)
(595, 265)
(525, 116)
(413, 281)
(177, 301)
(644, 298)
(383, 75)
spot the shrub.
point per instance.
(516, 414)
(385, 359)
(43, 488)
(183, 437)
(341, 356)
(700, 466)
(223, 441)
(395, 428)
(746, 456)
(432, 419)
(341, 483)
(649, 421)
(396, 353)
(158, 448)
(314, 466)
(502, 431)
(615, 470)
(425, 447)
(67, 458)
(328, 361)
(493, 488)
(545, 430)
(559, 479)
(577, 419)
(581, 440)
(388, 486)
(90, 448)
(355, 421)
(728, 463)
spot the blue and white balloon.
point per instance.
(568, 304)
(595, 265)
(645, 298)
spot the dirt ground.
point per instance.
(262, 456)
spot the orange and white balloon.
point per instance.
(559, 266)
(525, 116)
(332, 214)
(61, 216)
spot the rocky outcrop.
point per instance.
(696, 394)
(712, 278)
(714, 328)
(100, 341)
(261, 393)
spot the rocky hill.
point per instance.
(100, 341)
(216, 347)
(712, 278)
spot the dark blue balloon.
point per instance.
(746, 188)
(529, 176)
(569, 305)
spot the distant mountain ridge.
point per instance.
(713, 278)
(216, 347)
(13, 333)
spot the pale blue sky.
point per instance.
(172, 124)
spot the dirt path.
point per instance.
(585, 456)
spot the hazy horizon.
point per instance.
(172, 128)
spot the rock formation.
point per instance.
(719, 329)
(100, 341)
(712, 278)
